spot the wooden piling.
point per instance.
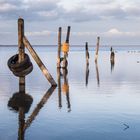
(97, 49)
(67, 41)
(59, 47)
(87, 54)
(21, 49)
(112, 58)
(38, 61)
(68, 34)
(112, 55)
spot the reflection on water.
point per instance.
(112, 65)
(87, 73)
(59, 88)
(21, 103)
(111, 111)
(97, 74)
(65, 87)
(39, 106)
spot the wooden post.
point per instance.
(68, 35)
(97, 49)
(67, 41)
(59, 47)
(87, 53)
(39, 62)
(21, 50)
(112, 55)
(112, 58)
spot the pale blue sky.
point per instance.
(116, 21)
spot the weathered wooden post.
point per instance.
(112, 55)
(112, 58)
(59, 47)
(21, 50)
(38, 61)
(97, 49)
(87, 53)
(65, 48)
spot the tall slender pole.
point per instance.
(68, 35)
(97, 49)
(21, 50)
(87, 53)
(67, 41)
(59, 46)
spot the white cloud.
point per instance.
(116, 32)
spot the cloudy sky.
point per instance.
(115, 21)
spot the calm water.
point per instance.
(102, 103)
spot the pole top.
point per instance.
(20, 18)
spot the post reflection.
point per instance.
(59, 88)
(64, 89)
(87, 73)
(112, 65)
(21, 124)
(39, 106)
(21, 102)
(97, 74)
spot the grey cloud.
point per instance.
(29, 10)
(51, 10)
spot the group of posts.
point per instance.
(112, 60)
(22, 43)
(112, 55)
(62, 64)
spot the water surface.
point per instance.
(103, 101)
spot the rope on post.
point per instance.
(65, 48)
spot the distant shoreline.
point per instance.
(75, 45)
